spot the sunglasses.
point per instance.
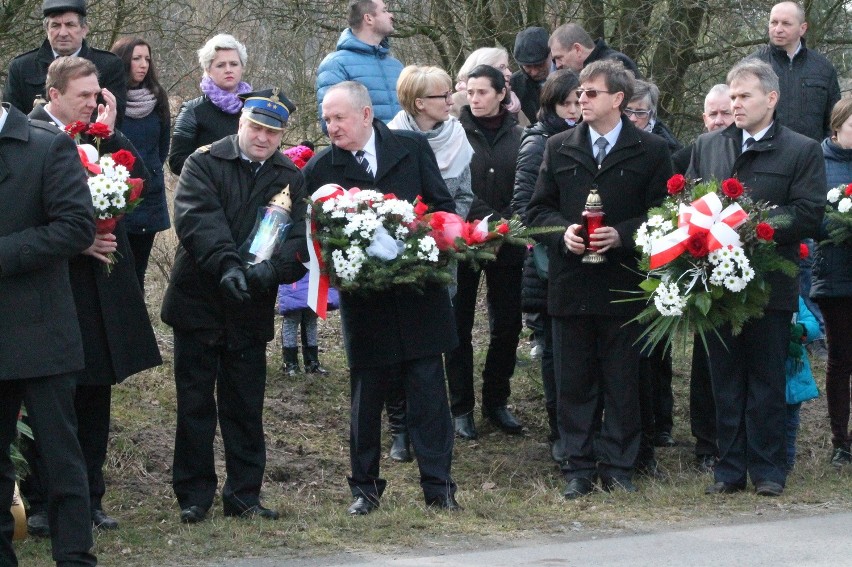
(446, 96)
(637, 113)
(590, 93)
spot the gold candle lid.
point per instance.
(283, 199)
(593, 201)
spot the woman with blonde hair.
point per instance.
(216, 113)
(498, 58)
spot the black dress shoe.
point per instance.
(616, 483)
(400, 448)
(464, 426)
(37, 525)
(255, 511)
(578, 487)
(503, 418)
(652, 470)
(768, 488)
(102, 521)
(447, 503)
(362, 506)
(664, 439)
(723, 488)
(192, 515)
(314, 368)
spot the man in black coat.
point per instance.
(629, 168)
(221, 306)
(533, 56)
(118, 340)
(747, 371)
(47, 219)
(66, 27)
(397, 335)
(573, 48)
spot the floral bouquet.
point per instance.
(838, 215)
(369, 241)
(114, 192)
(706, 251)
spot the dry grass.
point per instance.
(508, 485)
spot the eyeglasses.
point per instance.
(637, 113)
(446, 96)
(590, 93)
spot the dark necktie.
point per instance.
(748, 143)
(601, 144)
(254, 166)
(362, 159)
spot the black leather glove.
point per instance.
(262, 276)
(234, 285)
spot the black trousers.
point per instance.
(50, 405)
(749, 386)
(209, 377)
(596, 359)
(504, 323)
(427, 417)
(140, 246)
(702, 407)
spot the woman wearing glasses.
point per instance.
(426, 96)
(559, 111)
(495, 136)
(642, 111)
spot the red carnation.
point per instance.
(676, 184)
(420, 207)
(732, 188)
(76, 127)
(502, 228)
(697, 245)
(99, 130)
(803, 251)
(765, 231)
(848, 191)
(125, 158)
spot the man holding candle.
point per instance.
(628, 168)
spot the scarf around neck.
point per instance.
(226, 101)
(140, 103)
(447, 140)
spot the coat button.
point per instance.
(490, 170)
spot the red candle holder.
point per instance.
(593, 218)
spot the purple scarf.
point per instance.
(226, 101)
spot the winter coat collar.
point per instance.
(767, 142)
(349, 42)
(576, 144)
(388, 151)
(16, 126)
(229, 148)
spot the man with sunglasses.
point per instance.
(629, 169)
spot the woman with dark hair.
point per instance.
(495, 136)
(216, 113)
(147, 124)
(559, 111)
(831, 288)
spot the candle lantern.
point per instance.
(593, 218)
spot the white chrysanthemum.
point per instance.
(428, 249)
(348, 264)
(338, 214)
(400, 232)
(845, 205)
(668, 301)
(834, 195)
(735, 283)
(748, 273)
(738, 255)
(655, 220)
(118, 201)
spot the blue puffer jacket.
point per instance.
(832, 275)
(150, 136)
(370, 65)
(800, 379)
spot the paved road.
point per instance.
(801, 542)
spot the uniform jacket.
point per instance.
(118, 340)
(631, 181)
(47, 219)
(216, 204)
(27, 73)
(784, 168)
(832, 272)
(809, 89)
(150, 136)
(371, 65)
(199, 122)
(400, 324)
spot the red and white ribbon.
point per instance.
(704, 215)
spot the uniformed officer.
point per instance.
(222, 309)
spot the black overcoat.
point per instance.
(631, 180)
(216, 204)
(47, 218)
(399, 324)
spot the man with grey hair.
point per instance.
(717, 114)
(363, 55)
(573, 48)
(785, 169)
(415, 329)
(66, 27)
(807, 80)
